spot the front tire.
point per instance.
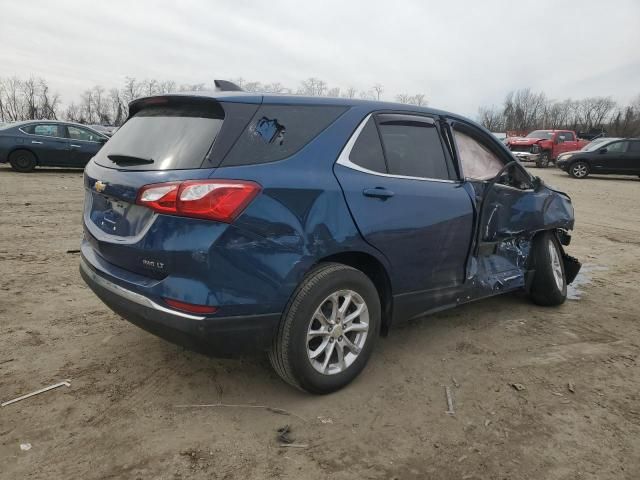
(328, 331)
(22, 161)
(579, 170)
(543, 160)
(549, 285)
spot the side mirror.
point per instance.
(537, 183)
(603, 150)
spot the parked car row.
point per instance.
(620, 156)
(544, 146)
(26, 145)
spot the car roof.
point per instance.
(288, 99)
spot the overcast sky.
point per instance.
(461, 54)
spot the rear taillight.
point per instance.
(190, 307)
(221, 200)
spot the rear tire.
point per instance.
(319, 348)
(579, 170)
(549, 285)
(22, 161)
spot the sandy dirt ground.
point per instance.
(119, 418)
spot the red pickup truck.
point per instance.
(544, 146)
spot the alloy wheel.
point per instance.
(556, 266)
(337, 332)
(579, 170)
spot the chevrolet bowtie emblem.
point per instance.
(100, 186)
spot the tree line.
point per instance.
(524, 110)
(33, 99)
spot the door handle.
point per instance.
(36, 142)
(378, 192)
(76, 146)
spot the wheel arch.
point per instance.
(377, 273)
(26, 149)
(586, 161)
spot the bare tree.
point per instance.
(419, 99)
(403, 98)
(491, 118)
(253, 87)
(313, 87)
(116, 107)
(350, 92)
(275, 87)
(333, 92)
(73, 113)
(49, 102)
(378, 89)
(13, 108)
(368, 95)
(29, 90)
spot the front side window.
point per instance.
(413, 149)
(367, 151)
(76, 133)
(478, 162)
(616, 147)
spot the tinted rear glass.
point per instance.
(279, 131)
(174, 137)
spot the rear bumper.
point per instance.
(211, 335)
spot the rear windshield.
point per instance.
(279, 131)
(164, 138)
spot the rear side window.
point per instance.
(164, 137)
(568, 136)
(634, 147)
(367, 151)
(45, 130)
(279, 131)
(413, 149)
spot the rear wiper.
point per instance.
(129, 160)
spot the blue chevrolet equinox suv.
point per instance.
(231, 223)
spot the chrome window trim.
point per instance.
(343, 158)
(132, 296)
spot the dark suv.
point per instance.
(304, 227)
(619, 156)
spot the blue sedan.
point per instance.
(26, 145)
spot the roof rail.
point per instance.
(226, 86)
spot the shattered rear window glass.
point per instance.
(279, 131)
